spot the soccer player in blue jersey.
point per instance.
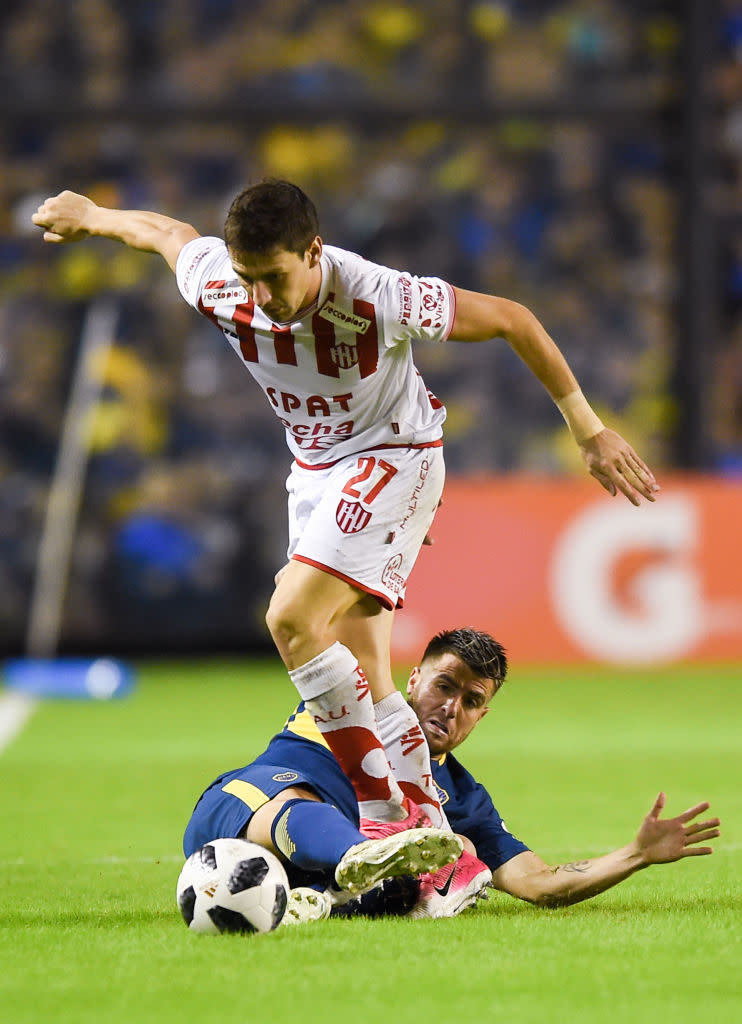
(295, 800)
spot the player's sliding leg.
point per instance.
(311, 835)
(305, 605)
(366, 629)
(317, 837)
(443, 893)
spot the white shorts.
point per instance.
(364, 518)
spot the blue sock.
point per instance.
(313, 835)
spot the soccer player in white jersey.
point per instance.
(327, 336)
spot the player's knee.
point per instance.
(290, 624)
(281, 620)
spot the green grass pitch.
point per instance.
(95, 797)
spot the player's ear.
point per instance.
(413, 680)
(315, 251)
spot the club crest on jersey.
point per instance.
(343, 355)
(351, 516)
(443, 797)
(345, 318)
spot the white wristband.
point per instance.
(580, 418)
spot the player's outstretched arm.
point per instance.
(69, 217)
(658, 841)
(609, 458)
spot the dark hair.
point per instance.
(483, 654)
(271, 214)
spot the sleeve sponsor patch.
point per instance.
(190, 268)
(423, 307)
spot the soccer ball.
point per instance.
(232, 885)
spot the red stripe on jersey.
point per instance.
(207, 311)
(368, 343)
(283, 341)
(242, 319)
(324, 340)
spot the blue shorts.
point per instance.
(225, 808)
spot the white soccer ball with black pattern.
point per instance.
(231, 885)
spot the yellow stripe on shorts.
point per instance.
(247, 793)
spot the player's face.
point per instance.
(449, 699)
(281, 282)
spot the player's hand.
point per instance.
(64, 217)
(617, 467)
(662, 841)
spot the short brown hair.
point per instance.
(272, 214)
(481, 652)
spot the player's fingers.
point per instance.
(642, 470)
(693, 812)
(702, 826)
(636, 460)
(696, 851)
(642, 478)
(44, 211)
(630, 483)
(622, 484)
(657, 806)
(605, 481)
(52, 236)
(703, 837)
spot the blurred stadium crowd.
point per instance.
(448, 138)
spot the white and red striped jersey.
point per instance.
(341, 379)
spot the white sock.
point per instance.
(337, 695)
(408, 754)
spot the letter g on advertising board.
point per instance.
(624, 584)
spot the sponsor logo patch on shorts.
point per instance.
(285, 777)
(391, 578)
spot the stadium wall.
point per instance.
(560, 572)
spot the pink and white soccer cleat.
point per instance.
(411, 852)
(445, 893)
(416, 818)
